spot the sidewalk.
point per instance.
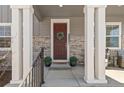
(62, 75)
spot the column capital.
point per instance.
(87, 7)
(23, 7)
(95, 6)
(100, 6)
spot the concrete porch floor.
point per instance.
(62, 75)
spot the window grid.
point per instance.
(5, 39)
(114, 36)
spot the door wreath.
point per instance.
(60, 35)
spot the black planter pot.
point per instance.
(73, 61)
(73, 65)
(47, 61)
(47, 65)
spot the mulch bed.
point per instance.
(5, 78)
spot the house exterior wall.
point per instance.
(36, 31)
(41, 34)
(114, 52)
(5, 17)
(42, 38)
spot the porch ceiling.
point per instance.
(72, 10)
(57, 11)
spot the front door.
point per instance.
(60, 41)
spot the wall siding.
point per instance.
(5, 14)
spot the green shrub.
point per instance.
(48, 61)
(1, 61)
(73, 61)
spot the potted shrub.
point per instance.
(73, 61)
(48, 61)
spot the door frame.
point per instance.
(52, 39)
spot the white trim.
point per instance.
(68, 32)
(5, 36)
(60, 60)
(5, 49)
(5, 24)
(120, 31)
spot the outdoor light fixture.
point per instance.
(60, 5)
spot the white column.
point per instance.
(27, 38)
(16, 44)
(89, 44)
(100, 42)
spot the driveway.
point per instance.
(116, 74)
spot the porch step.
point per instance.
(60, 62)
(56, 66)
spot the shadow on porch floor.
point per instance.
(61, 75)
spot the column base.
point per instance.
(15, 81)
(96, 81)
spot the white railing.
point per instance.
(35, 77)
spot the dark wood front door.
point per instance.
(60, 41)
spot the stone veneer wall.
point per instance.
(41, 41)
(76, 46)
(122, 41)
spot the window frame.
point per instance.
(119, 36)
(1, 48)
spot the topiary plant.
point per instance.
(73, 61)
(48, 61)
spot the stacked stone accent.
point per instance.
(122, 41)
(76, 46)
(41, 41)
(112, 57)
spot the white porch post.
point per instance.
(89, 44)
(100, 42)
(27, 38)
(16, 43)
